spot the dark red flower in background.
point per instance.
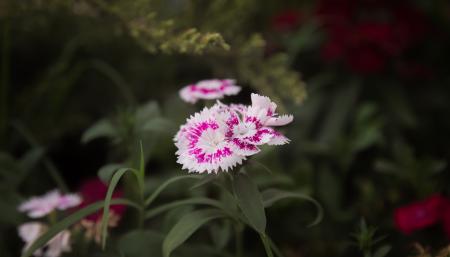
(286, 20)
(366, 35)
(419, 215)
(94, 190)
(446, 218)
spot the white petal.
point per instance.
(279, 139)
(279, 121)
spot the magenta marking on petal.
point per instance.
(215, 157)
(254, 120)
(244, 146)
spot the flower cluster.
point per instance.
(365, 35)
(40, 206)
(419, 215)
(209, 89)
(222, 136)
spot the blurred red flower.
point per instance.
(422, 214)
(94, 190)
(286, 20)
(367, 34)
(446, 218)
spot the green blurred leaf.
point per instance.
(221, 234)
(186, 226)
(338, 112)
(250, 201)
(155, 194)
(107, 171)
(191, 201)
(159, 124)
(330, 191)
(271, 196)
(141, 243)
(32, 157)
(108, 198)
(382, 251)
(205, 180)
(103, 128)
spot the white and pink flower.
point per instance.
(39, 206)
(31, 231)
(218, 138)
(209, 90)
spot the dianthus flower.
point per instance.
(209, 89)
(40, 206)
(222, 136)
(31, 231)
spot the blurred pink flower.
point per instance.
(40, 206)
(31, 231)
(209, 89)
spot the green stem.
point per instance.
(52, 218)
(4, 83)
(266, 244)
(275, 249)
(51, 168)
(239, 239)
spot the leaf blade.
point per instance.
(271, 196)
(186, 226)
(112, 185)
(250, 201)
(155, 194)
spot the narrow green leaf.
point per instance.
(266, 242)
(203, 181)
(107, 171)
(103, 128)
(32, 157)
(186, 226)
(250, 201)
(142, 163)
(70, 220)
(271, 196)
(197, 201)
(112, 185)
(155, 194)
